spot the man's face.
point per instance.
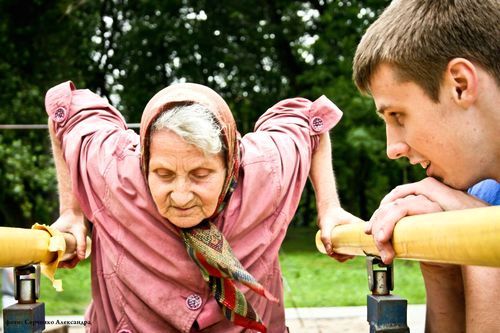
(184, 182)
(438, 136)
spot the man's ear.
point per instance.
(461, 78)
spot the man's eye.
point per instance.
(397, 116)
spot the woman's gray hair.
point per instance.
(195, 124)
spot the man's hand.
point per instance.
(425, 196)
(448, 198)
(327, 221)
(73, 222)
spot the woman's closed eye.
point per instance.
(164, 174)
(201, 174)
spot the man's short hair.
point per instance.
(420, 37)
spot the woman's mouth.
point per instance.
(183, 210)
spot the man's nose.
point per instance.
(397, 150)
(396, 146)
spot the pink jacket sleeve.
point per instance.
(89, 129)
(277, 156)
(316, 117)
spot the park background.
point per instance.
(254, 53)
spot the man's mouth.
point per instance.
(427, 167)
(425, 164)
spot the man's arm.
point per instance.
(71, 217)
(443, 283)
(330, 213)
(426, 196)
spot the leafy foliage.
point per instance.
(42, 43)
(252, 52)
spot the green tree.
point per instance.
(252, 52)
(42, 43)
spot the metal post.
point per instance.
(386, 312)
(27, 316)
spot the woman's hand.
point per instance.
(330, 218)
(73, 222)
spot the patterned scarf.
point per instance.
(219, 266)
(211, 252)
(204, 243)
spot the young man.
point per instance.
(433, 70)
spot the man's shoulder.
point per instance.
(487, 190)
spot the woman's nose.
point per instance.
(181, 195)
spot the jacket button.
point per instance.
(60, 115)
(317, 124)
(193, 302)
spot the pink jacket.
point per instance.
(142, 278)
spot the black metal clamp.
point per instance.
(386, 312)
(27, 315)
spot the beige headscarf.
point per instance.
(193, 93)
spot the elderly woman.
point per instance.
(188, 208)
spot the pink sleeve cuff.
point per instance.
(63, 102)
(58, 102)
(324, 115)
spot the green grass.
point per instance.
(311, 279)
(76, 295)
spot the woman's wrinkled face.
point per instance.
(184, 181)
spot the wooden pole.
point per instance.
(20, 247)
(465, 237)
